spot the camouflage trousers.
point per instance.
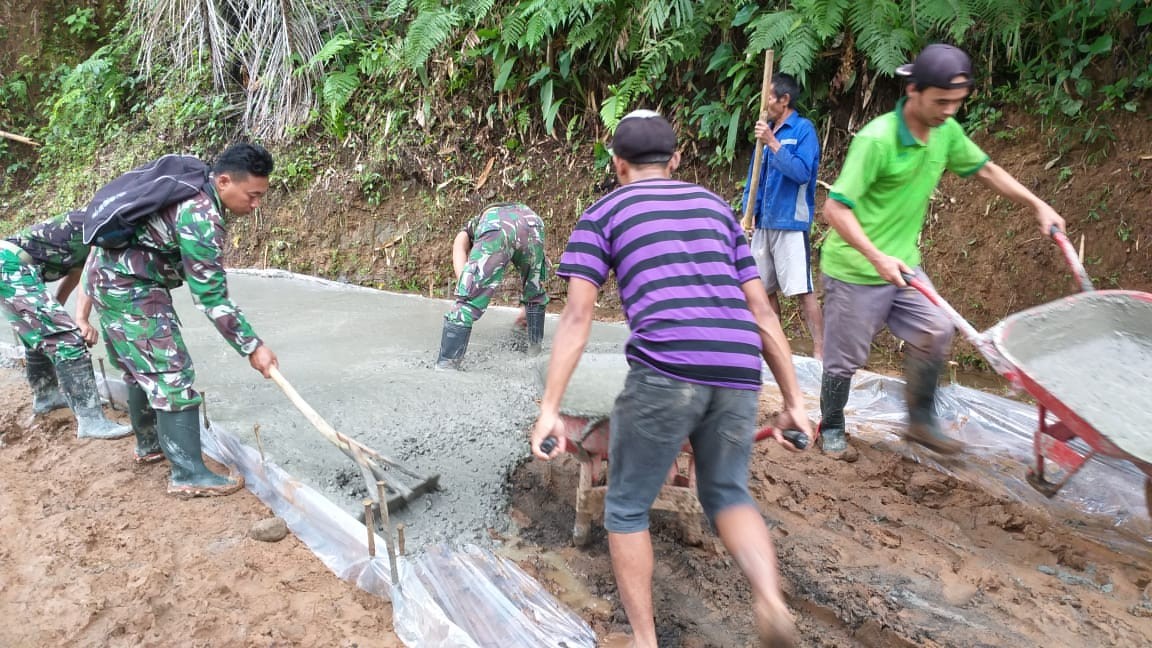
(41, 323)
(491, 254)
(142, 337)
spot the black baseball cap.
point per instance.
(644, 137)
(937, 65)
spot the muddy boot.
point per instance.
(144, 426)
(41, 375)
(833, 437)
(179, 434)
(79, 386)
(453, 344)
(921, 377)
(534, 313)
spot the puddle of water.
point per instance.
(553, 567)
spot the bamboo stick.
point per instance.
(370, 524)
(386, 525)
(18, 138)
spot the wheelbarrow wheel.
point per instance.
(1043, 486)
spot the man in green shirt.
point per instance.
(876, 210)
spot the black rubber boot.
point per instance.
(79, 386)
(41, 375)
(453, 344)
(833, 436)
(179, 434)
(534, 314)
(921, 377)
(144, 426)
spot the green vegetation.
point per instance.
(389, 74)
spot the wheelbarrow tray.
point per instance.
(1088, 359)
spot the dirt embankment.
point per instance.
(380, 223)
(94, 553)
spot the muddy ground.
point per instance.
(884, 552)
(93, 553)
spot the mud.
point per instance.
(884, 552)
(1094, 355)
(93, 553)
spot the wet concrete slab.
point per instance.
(364, 359)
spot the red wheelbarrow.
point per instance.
(1087, 360)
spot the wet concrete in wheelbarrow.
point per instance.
(1093, 353)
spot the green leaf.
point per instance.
(505, 72)
(1101, 45)
(733, 132)
(550, 108)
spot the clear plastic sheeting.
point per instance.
(489, 600)
(999, 435)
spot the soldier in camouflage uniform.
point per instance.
(502, 234)
(56, 355)
(130, 289)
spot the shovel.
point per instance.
(367, 459)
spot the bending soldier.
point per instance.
(503, 233)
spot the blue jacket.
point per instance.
(787, 189)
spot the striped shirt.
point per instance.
(680, 259)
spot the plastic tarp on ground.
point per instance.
(999, 435)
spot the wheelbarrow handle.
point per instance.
(1072, 258)
(958, 320)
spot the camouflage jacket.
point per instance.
(180, 243)
(57, 245)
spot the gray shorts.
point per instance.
(652, 418)
(784, 261)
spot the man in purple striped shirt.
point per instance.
(700, 323)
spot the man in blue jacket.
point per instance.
(785, 203)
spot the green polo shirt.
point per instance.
(887, 181)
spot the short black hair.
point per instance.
(786, 84)
(244, 159)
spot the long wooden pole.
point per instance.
(765, 90)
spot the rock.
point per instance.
(271, 529)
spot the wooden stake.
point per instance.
(400, 539)
(765, 89)
(1081, 248)
(386, 524)
(259, 444)
(370, 524)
